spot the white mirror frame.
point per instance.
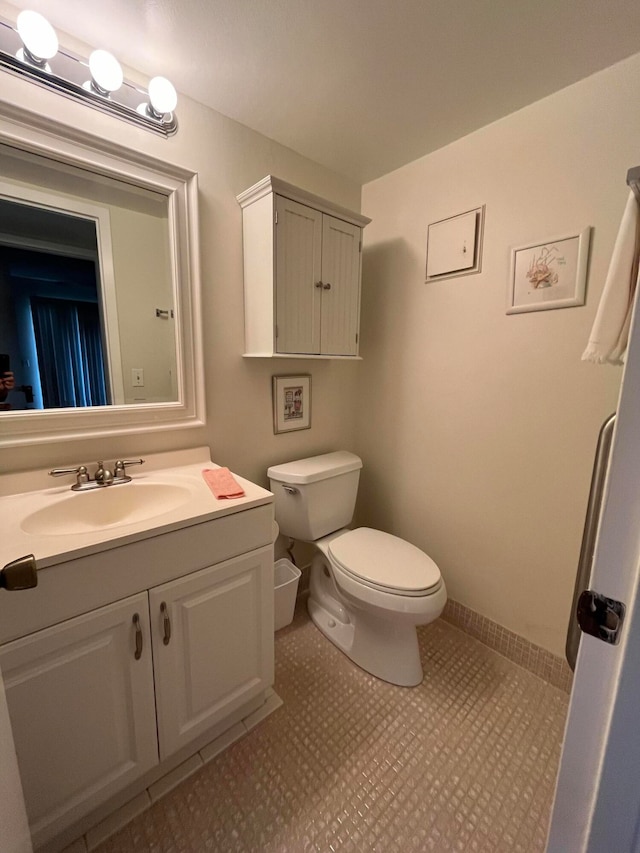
(29, 132)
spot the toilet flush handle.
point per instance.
(290, 490)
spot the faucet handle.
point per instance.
(119, 467)
(80, 472)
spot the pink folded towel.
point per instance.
(222, 483)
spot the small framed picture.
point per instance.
(547, 275)
(291, 403)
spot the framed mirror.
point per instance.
(99, 288)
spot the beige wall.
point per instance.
(477, 429)
(228, 158)
(486, 423)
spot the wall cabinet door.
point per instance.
(317, 281)
(82, 711)
(298, 277)
(340, 310)
(212, 645)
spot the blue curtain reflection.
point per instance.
(69, 347)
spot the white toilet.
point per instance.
(368, 589)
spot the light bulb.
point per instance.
(162, 96)
(106, 72)
(38, 36)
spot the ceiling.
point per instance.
(360, 86)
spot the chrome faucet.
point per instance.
(103, 476)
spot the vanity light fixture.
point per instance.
(162, 97)
(30, 50)
(106, 72)
(39, 39)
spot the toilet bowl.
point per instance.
(368, 589)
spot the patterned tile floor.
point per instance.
(465, 762)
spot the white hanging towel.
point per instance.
(610, 332)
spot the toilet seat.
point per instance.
(385, 562)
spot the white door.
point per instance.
(82, 711)
(597, 804)
(212, 645)
(341, 287)
(298, 277)
(16, 837)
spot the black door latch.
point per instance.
(600, 616)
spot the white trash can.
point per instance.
(285, 580)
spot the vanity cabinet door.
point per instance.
(82, 711)
(212, 645)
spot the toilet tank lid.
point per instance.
(315, 468)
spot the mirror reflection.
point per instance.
(87, 313)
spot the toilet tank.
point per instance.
(316, 495)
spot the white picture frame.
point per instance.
(291, 402)
(549, 274)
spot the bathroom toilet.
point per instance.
(368, 589)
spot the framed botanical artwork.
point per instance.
(547, 275)
(291, 403)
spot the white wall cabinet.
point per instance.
(98, 700)
(302, 271)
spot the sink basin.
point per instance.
(112, 506)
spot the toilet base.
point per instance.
(386, 648)
(388, 651)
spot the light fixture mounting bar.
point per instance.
(69, 75)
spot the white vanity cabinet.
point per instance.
(82, 711)
(212, 647)
(302, 270)
(125, 660)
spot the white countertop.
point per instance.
(22, 496)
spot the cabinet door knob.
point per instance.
(327, 286)
(166, 622)
(319, 284)
(136, 623)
